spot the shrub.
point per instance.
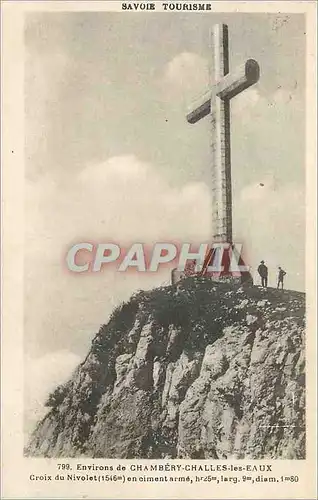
(57, 396)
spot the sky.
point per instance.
(111, 157)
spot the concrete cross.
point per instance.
(216, 103)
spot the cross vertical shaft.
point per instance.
(220, 141)
(216, 104)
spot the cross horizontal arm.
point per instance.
(234, 83)
(201, 108)
(229, 86)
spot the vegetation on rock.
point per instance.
(195, 370)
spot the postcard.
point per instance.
(159, 249)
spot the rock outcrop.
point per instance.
(195, 370)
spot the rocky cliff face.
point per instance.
(194, 370)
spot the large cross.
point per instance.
(216, 103)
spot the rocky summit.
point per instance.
(195, 370)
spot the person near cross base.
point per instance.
(281, 274)
(263, 272)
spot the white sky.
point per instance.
(110, 157)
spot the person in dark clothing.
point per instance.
(263, 272)
(281, 274)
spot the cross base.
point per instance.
(226, 275)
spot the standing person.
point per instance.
(263, 272)
(281, 274)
